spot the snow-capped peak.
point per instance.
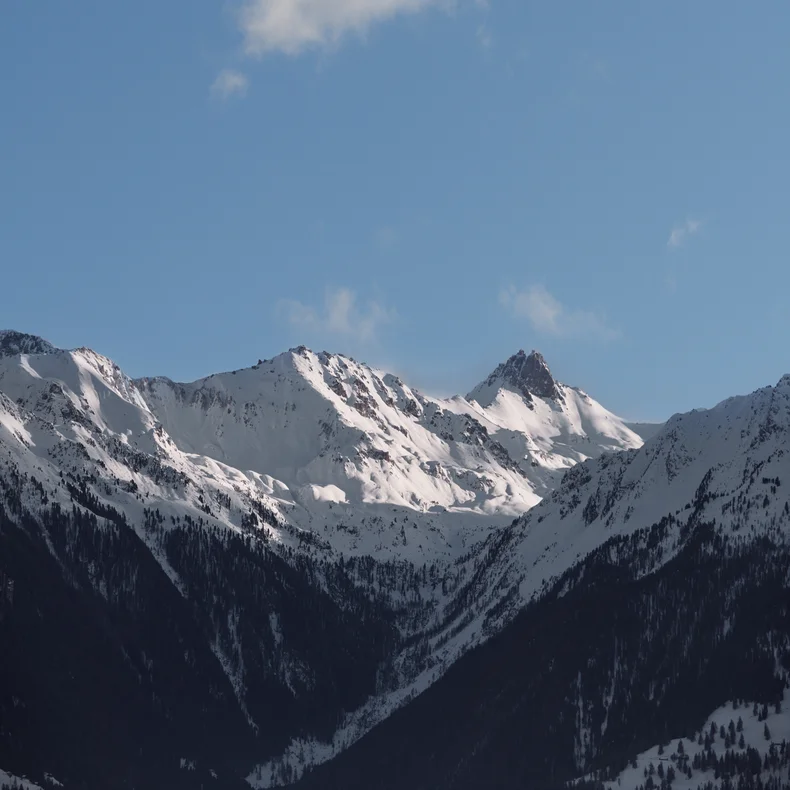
(334, 442)
(528, 375)
(13, 343)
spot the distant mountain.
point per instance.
(361, 496)
(250, 573)
(548, 425)
(527, 376)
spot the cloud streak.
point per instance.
(292, 26)
(549, 316)
(680, 233)
(340, 315)
(484, 37)
(229, 83)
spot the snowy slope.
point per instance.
(748, 721)
(341, 444)
(332, 442)
(723, 472)
(547, 425)
(16, 782)
(331, 448)
(344, 444)
(719, 465)
(73, 415)
(728, 466)
(324, 457)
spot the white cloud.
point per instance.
(484, 37)
(341, 315)
(550, 317)
(682, 231)
(292, 26)
(229, 83)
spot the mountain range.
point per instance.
(307, 572)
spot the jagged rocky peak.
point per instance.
(13, 343)
(529, 374)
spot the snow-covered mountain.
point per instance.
(648, 589)
(307, 545)
(311, 460)
(718, 465)
(336, 431)
(547, 425)
(330, 444)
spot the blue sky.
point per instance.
(428, 186)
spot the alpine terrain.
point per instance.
(308, 573)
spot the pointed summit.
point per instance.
(529, 375)
(13, 343)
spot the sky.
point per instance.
(426, 185)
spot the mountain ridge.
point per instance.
(323, 462)
(366, 436)
(311, 494)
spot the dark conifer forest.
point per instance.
(666, 649)
(104, 650)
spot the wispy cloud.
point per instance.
(295, 26)
(340, 315)
(485, 38)
(229, 83)
(681, 232)
(292, 26)
(549, 316)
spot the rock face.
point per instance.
(528, 375)
(12, 343)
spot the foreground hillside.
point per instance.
(657, 588)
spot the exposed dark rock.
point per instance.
(12, 343)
